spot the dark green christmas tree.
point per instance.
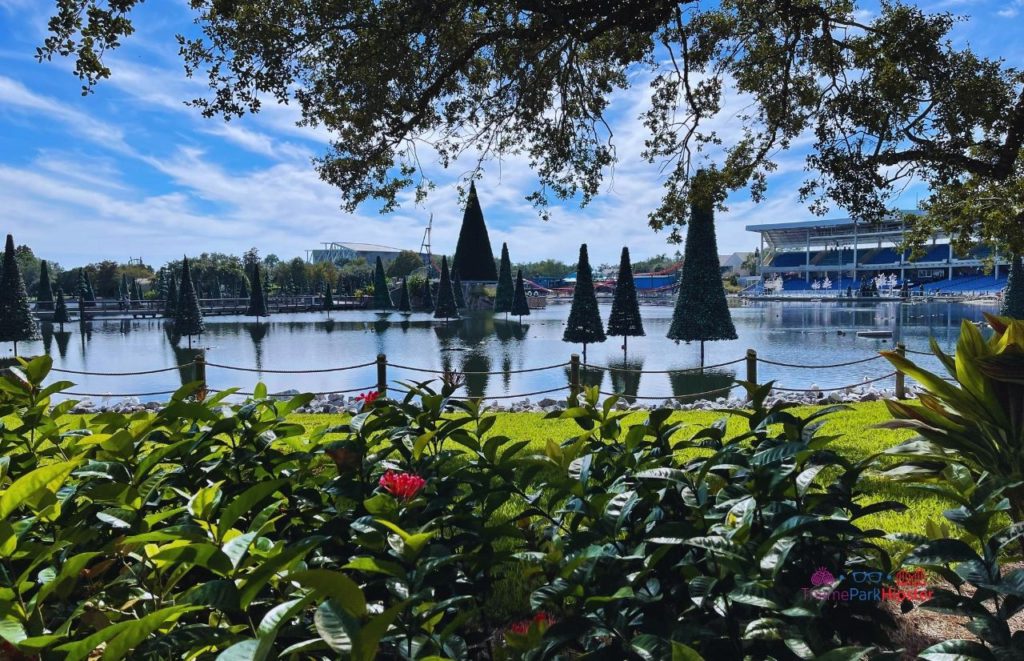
(90, 295)
(381, 295)
(44, 299)
(473, 255)
(136, 293)
(460, 299)
(428, 296)
(1013, 297)
(701, 313)
(520, 306)
(16, 321)
(506, 288)
(124, 291)
(584, 325)
(625, 319)
(257, 296)
(83, 289)
(189, 318)
(446, 307)
(171, 302)
(404, 304)
(60, 310)
(328, 300)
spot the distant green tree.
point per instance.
(124, 289)
(44, 299)
(701, 312)
(90, 294)
(624, 319)
(328, 299)
(60, 310)
(548, 268)
(16, 321)
(257, 295)
(520, 306)
(243, 291)
(189, 318)
(460, 297)
(428, 296)
(1013, 297)
(171, 302)
(161, 284)
(404, 304)
(446, 307)
(506, 288)
(381, 295)
(404, 264)
(83, 287)
(473, 255)
(584, 324)
(136, 293)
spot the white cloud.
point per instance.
(16, 96)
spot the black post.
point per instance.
(901, 393)
(574, 374)
(200, 363)
(382, 374)
(751, 366)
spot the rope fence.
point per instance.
(576, 381)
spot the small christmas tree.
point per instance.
(624, 319)
(1013, 297)
(328, 300)
(381, 295)
(701, 313)
(257, 296)
(404, 304)
(428, 296)
(189, 318)
(90, 295)
(584, 325)
(16, 321)
(446, 308)
(506, 288)
(171, 302)
(83, 290)
(44, 297)
(460, 299)
(520, 306)
(60, 310)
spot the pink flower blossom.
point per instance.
(401, 485)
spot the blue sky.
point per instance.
(130, 171)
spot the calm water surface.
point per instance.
(790, 332)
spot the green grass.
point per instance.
(857, 440)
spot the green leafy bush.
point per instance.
(212, 529)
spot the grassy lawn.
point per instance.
(854, 427)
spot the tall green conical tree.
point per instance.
(446, 307)
(460, 299)
(381, 295)
(473, 255)
(136, 293)
(161, 284)
(124, 291)
(584, 324)
(506, 288)
(520, 306)
(1013, 297)
(701, 313)
(83, 291)
(90, 295)
(60, 310)
(44, 297)
(625, 319)
(189, 318)
(428, 296)
(171, 302)
(404, 304)
(328, 299)
(257, 296)
(16, 321)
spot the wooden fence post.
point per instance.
(200, 363)
(574, 374)
(901, 391)
(751, 366)
(382, 374)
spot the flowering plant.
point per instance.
(368, 398)
(540, 621)
(401, 485)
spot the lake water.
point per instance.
(799, 333)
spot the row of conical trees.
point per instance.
(701, 312)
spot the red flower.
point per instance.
(401, 485)
(368, 398)
(542, 620)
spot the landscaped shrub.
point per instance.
(411, 531)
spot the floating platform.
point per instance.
(875, 333)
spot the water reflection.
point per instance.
(625, 376)
(47, 332)
(256, 333)
(688, 384)
(62, 337)
(185, 357)
(476, 365)
(589, 376)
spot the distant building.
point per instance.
(730, 264)
(339, 252)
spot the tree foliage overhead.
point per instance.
(885, 98)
